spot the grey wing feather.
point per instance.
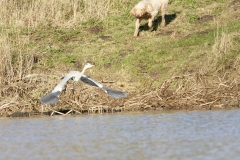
(111, 92)
(88, 80)
(64, 80)
(50, 98)
(114, 93)
(53, 96)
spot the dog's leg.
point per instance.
(163, 11)
(150, 22)
(137, 25)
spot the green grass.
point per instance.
(109, 43)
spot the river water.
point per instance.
(198, 135)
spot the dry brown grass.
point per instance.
(5, 60)
(194, 91)
(190, 92)
(223, 44)
(59, 13)
(15, 62)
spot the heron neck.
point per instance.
(78, 76)
(84, 69)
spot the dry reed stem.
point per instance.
(222, 44)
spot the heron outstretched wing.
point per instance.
(64, 80)
(53, 96)
(114, 93)
(88, 80)
(111, 92)
(50, 98)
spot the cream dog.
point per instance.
(148, 9)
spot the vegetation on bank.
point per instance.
(192, 63)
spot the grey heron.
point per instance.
(53, 96)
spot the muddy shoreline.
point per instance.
(74, 113)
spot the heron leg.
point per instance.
(65, 88)
(73, 87)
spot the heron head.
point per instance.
(88, 65)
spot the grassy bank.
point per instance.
(192, 63)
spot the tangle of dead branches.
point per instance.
(193, 91)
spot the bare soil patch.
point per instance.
(204, 19)
(96, 29)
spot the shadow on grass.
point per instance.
(168, 18)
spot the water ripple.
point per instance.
(151, 135)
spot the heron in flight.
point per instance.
(53, 96)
